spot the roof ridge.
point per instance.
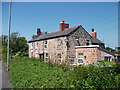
(65, 32)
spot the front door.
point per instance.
(41, 56)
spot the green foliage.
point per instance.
(103, 64)
(96, 77)
(18, 45)
(4, 53)
(109, 49)
(34, 73)
(34, 36)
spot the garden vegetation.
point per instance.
(34, 73)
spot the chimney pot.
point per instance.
(93, 30)
(62, 21)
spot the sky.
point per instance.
(28, 16)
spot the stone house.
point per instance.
(73, 45)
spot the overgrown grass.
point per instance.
(33, 73)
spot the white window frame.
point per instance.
(108, 58)
(60, 58)
(72, 59)
(36, 44)
(59, 43)
(80, 57)
(45, 43)
(46, 56)
(32, 45)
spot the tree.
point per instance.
(34, 36)
(17, 44)
(109, 49)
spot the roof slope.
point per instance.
(95, 40)
(106, 51)
(65, 32)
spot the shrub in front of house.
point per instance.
(33, 73)
(96, 77)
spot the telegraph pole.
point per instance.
(9, 26)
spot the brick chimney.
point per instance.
(94, 33)
(63, 25)
(38, 32)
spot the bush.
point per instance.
(34, 73)
(103, 64)
(95, 77)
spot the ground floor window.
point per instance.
(72, 60)
(32, 54)
(46, 56)
(59, 58)
(107, 58)
(80, 58)
(80, 61)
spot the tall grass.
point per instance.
(34, 73)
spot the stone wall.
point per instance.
(55, 47)
(78, 38)
(90, 55)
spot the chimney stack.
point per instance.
(63, 25)
(94, 33)
(38, 32)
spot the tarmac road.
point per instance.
(4, 76)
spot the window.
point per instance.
(80, 55)
(32, 54)
(80, 61)
(72, 59)
(107, 58)
(88, 42)
(78, 41)
(36, 44)
(59, 43)
(47, 55)
(45, 43)
(80, 58)
(59, 58)
(32, 44)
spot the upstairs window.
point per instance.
(36, 44)
(78, 42)
(59, 43)
(80, 55)
(45, 43)
(32, 45)
(87, 42)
